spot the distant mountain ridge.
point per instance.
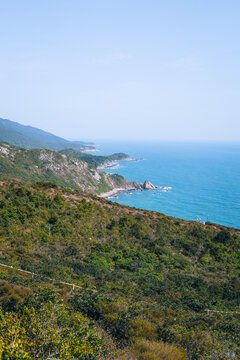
(30, 137)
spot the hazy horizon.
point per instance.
(151, 70)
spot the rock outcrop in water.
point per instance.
(147, 185)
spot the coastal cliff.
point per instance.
(29, 166)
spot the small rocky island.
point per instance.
(147, 185)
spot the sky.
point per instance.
(122, 69)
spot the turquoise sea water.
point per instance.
(205, 178)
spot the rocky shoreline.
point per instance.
(108, 165)
(130, 186)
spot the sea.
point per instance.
(201, 179)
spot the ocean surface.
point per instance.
(204, 178)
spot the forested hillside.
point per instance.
(148, 284)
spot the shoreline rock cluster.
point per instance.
(130, 186)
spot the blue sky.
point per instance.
(122, 69)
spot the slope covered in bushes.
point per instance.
(147, 280)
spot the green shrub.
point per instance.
(152, 350)
(223, 237)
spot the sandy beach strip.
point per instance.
(112, 193)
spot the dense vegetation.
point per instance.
(33, 138)
(95, 160)
(45, 328)
(146, 280)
